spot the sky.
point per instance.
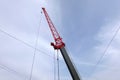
(86, 26)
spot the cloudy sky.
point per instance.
(86, 26)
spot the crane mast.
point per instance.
(60, 45)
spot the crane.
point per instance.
(60, 45)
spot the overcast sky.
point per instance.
(86, 26)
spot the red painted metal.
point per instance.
(58, 40)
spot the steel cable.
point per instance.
(10, 70)
(106, 49)
(23, 42)
(36, 43)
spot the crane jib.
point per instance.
(59, 44)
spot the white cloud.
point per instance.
(111, 59)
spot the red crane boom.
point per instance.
(59, 44)
(57, 38)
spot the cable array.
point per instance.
(23, 42)
(6, 68)
(106, 49)
(35, 50)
